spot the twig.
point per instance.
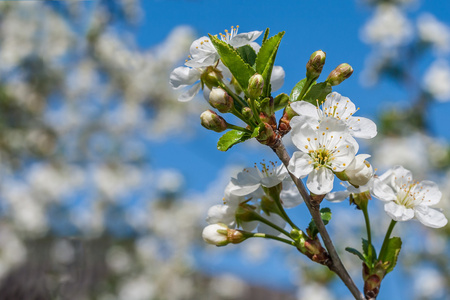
(314, 208)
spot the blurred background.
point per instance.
(106, 178)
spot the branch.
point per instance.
(336, 264)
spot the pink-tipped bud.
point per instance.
(247, 113)
(220, 100)
(315, 64)
(338, 75)
(212, 121)
(255, 86)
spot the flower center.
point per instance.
(409, 195)
(321, 157)
(330, 111)
(269, 169)
(229, 35)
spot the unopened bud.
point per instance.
(359, 171)
(247, 113)
(267, 106)
(255, 86)
(220, 235)
(211, 77)
(284, 125)
(212, 121)
(338, 75)
(266, 135)
(315, 64)
(220, 100)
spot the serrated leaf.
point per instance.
(317, 92)
(325, 214)
(266, 35)
(355, 252)
(393, 248)
(280, 101)
(266, 59)
(241, 70)
(231, 138)
(247, 54)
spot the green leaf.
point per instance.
(325, 214)
(231, 138)
(365, 246)
(391, 254)
(266, 59)
(317, 92)
(296, 90)
(266, 35)
(281, 101)
(256, 131)
(233, 61)
(355, 252)
(248, 54)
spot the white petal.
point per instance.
(362, 127)
(304, 120)
(430, 217)
(274, 177)
(244, 38)
(300, 135)
(398, 212)
(183, 76)
(402, 175)
(249, 226)
(255, 46)
(382, 191)
(299, 164)
(221, 214)
(430, 192)
(190, 93)
(303, 108)
(341, 106)
(277, 78)
(337, 196)
(320, 182)
(290, 196)
(204, 61)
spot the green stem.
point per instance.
(386, 238)
(273, 237)
(369, 234)
(267, 222)
(231, 126)
(283, 212)
(233, 95)
(238, 114)
(251, 102)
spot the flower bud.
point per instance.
(211, 77)
(220, 235)
(284, 125)
(338, 75)
(220, 100)
(210, 120)
(315, 64)
(247, 113)
(359, 171)
(255, 86)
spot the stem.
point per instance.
(273, 237)
(369, 235)
(283, 212)
(251, 102)
(233, 95)
(238, 114)
(231, 126)
(336, 263)
(386, 238)
(267, 222)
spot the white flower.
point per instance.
(388, 27)
(183, 77)
(325, 149)
(406, 199)
(249, 180)
(226, 213)
(290, 196)
(335, 106)
(340, 196)
(204, 54)
(436, 80)
(432, 31)
(213, 234)
(359, 171)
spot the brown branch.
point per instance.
(314, 208)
